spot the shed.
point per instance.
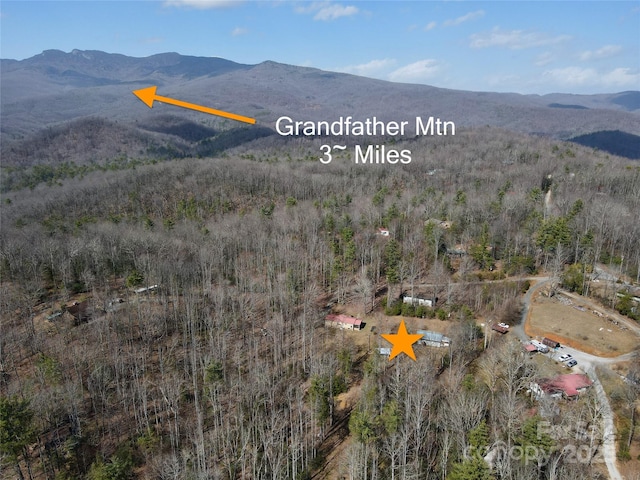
(550, 343)
(499, 329)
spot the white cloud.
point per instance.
(574, 76)
(430, 26)
(579, 77)
(515, 39)
(202, 4)
(604, 52)
(370, 68)
(239, 31)
(464, 18)
(621, 77)
(333, 11)
(327, 10)
(419, 71)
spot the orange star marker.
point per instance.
(402, 341)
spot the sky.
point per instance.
(534, 47)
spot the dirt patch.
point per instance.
(571, 323)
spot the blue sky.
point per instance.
(505, 46)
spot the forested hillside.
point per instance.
(224, 369)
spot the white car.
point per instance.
(565, 357)
(503, 325)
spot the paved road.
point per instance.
(587, 363)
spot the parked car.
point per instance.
(564, 357)
(571, 363)
(503, 325)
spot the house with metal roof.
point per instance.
(433, 339)
(568, 386)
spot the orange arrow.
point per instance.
(148, 96)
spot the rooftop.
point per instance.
(569, 384)
(433, 336)
(346, 319)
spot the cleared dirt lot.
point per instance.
(572, 323)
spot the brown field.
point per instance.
(578, 327)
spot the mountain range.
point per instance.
(63, 97)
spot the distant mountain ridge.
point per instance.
(116, 66)
(55, 87)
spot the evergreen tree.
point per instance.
(16, 430)
(472, 468)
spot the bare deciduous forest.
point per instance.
(224, 370)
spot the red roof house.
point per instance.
(343, 321)
(569, 385)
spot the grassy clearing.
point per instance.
(577, 326)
